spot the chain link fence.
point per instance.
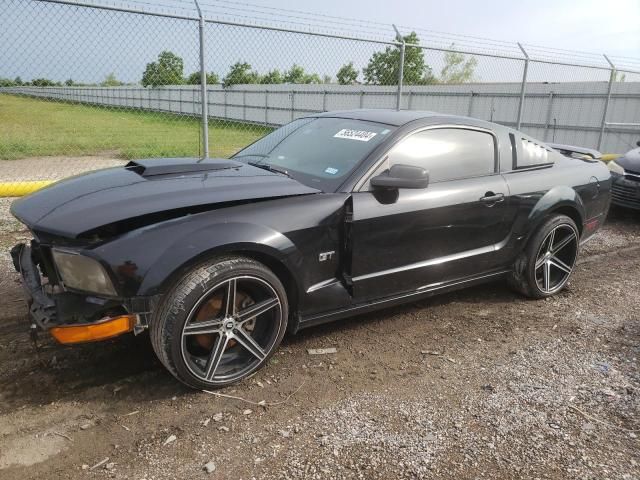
(86, 85)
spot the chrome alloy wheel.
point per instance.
(556, 258)
(232, 329)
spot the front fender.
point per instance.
(219, 239)
(143, 260)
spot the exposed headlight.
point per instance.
(83, 273)
(615, 168)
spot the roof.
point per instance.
(398, 118)
(390, 117)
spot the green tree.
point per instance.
(383, 67)
(168, 70)
(18, 81)
(296, 74)
(272, 77)
(194, 79)
(43, 82)
(312, 78)
(327, 79)
(240, 74)
(458, 68)
(428, 78)
(347, 75)
(7, 82)
(69, 82)
(111, 81)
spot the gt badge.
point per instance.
(324, 256)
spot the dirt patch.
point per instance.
(479, 383)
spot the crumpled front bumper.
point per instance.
(51, 305)
(42, 308)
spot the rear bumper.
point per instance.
(51, 306)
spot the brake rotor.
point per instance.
(212, 309)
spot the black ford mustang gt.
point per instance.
(329, 216)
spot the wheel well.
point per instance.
(282, 272)
(567, 210)
(572, 213)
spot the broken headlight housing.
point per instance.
(80, 272)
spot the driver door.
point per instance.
(407, 239)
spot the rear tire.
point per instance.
(220, 322)
(546, 264)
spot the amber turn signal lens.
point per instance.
(94, 332)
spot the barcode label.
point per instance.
(360, 135)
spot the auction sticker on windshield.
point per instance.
(360, 135)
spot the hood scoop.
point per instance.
(178, 166)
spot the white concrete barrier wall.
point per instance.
(567, 112)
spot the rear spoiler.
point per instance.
(570, 151)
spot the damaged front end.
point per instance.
(70, 315)
(88, 275)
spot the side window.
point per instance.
(447, 153)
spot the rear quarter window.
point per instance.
(528, 153)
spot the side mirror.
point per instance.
(402, 176)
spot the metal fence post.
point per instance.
(523, 86)
(244, 105)
(293, 104)
(400, 67)
(266, 107)
(612, 78)
(548, 119)
(400, 77)
(226, 115)
(204, 101)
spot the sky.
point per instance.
(59, 42)
(599, 26)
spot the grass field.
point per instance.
(32, 128)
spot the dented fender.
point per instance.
(145, 259)
(218, 239)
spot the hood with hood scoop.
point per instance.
(80, 204)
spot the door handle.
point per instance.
(491, 198)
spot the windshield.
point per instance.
(320, 152)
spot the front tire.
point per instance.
(220, 322)
(545, 266)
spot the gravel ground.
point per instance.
(479, 383)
